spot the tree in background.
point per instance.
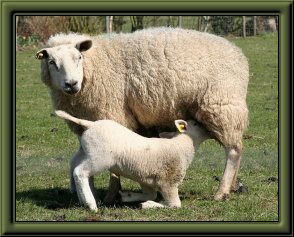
(137, 23)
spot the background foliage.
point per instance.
(32, 30)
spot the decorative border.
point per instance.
(11, 8)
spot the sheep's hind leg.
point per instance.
(147, 194)
(229, 179)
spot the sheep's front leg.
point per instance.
(113, 189)
(85, 195)
(147, 194)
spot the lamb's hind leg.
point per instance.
(229, 179)
(74, 162)
(171, 199)
(81, 175)
(147, 194)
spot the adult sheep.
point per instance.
(149, 79)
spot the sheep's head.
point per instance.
(64, 64)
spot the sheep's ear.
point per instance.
(167, 134)
(42, 54)
(181, 125)
(84, 45)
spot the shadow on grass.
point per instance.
(60, 198)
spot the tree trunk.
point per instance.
(137, 23)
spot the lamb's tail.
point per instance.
(82, 122)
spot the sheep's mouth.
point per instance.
(71, 90)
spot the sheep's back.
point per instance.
(171, 73)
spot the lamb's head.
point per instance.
(192, 128)
(62, 66)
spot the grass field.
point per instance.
(44, 146)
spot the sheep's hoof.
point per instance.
(221, 196)
(112, 198)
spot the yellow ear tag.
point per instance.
(39, 56)
(181, 128)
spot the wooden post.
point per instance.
(180, 22)
(244, 26)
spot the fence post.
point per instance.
(254, 25)
(244, 26)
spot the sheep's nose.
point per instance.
(71, 84)
(71, 87)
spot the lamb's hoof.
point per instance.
(94, 209)
(221, 196)
(150, 204)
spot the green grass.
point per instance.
(44, 146)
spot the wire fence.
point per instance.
(35, 30)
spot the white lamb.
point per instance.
(158, 164)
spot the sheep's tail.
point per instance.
(82, 122)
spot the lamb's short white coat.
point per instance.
(158, 164)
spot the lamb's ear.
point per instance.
(42, 54)
(181, 125)
(84, 45)
(167, 134)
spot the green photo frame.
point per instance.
(9, 9)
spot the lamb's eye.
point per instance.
(195, 124)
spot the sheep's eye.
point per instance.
(195, 124)
(80, 57)
(51, 62)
